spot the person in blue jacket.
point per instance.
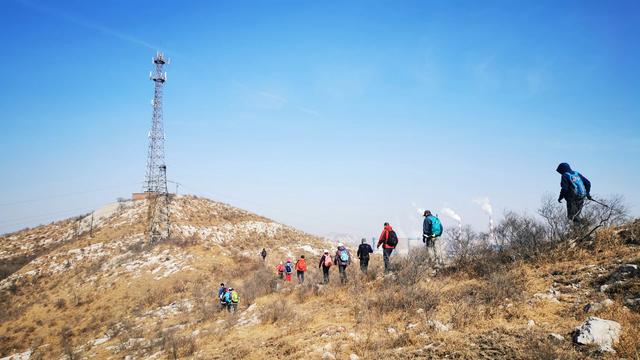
(574, 188)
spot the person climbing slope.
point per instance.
(234, 298)
(301, 268)
(288, 270)
(431, 229)
(263, 253)
(363, 254)
(325, 263)
(221, 291)
(280, 270)
(389, 241)
(574, 188)
(342, 259)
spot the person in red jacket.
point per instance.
(280, 270)
(301, 268)
(389, 241)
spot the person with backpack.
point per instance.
(280, 270)
(574, 188)
(233, 300)
(431, 229)
(342, 259)
(325, 263)
(301, 268)
(363, 254)
(389, 241)
(221, 291)
(288, 270)
(263, 253)
(226, 298)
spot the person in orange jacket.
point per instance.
(301, 268)
(389, 241)
(280, 270)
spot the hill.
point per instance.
(103, 294)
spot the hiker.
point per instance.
(301, 268)
(225, 299)
(431, 229)
(342, 259)
(221, 291)
(280, 270)
(574, 189)
(389, 241)
(288, 270)
(325, 264)
(233, 300)
(263, 254)
(363, 254)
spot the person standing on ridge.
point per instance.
(325, 264)
(389, 241)
(288, 270)
(574, 188)
(431, 229)
(342, 259)
(363, 254)
(301, 268)
(263, 253)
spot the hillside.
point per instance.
(106, 295)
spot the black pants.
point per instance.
(364, 265)
(300, 276)
(325, 275)
(343, 273)
(386, 253)
(574, 208)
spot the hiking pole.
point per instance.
(598, 202)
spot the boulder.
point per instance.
(354, 357)
(599, 332)
(437, 325)
(556, 338)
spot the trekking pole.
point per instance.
(598, 202)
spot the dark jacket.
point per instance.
(565, 183)
(363, 251)
(321, 265)
(427, 226)
(339, 261)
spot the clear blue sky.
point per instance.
(332, 116)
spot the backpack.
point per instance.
(363, 250)
(578, 189)
(327, 261)
(288, 268)
(344, 256)
(392, 238)
(436, 226)
(234, 297)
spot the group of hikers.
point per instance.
(575, 188)
(228, 297)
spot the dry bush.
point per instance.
(394, 297)
(261, 283)
(278, 310)
(66, 342)
(522, 235)
(60, 304)
(178, 347)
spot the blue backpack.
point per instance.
(288, 268)
(344, 256)
(436, 226)
(578, 189)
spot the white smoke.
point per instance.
(485, 204)
(418, 209)
(452, 214)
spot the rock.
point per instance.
(420, 311)
(600, 332)
(594, 307)
(604, 287)
(531, 324)
(557, 338)
(391, 330)
(550, 297)
(437, 325)
(328, 356)
(354, 357)
(632, 302)
(411, 326)
(628, 268)
(607, 302)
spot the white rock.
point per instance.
(438, 325)
(531, 324)
(328, 356)
(20, 356)
(354, 357)
(556, 337)
(600, 332)
(604, 288)
(391, 330)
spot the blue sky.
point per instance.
(332, 116)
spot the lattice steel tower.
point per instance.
(156, 176)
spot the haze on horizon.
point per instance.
(332, 117)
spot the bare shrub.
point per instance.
(462, 245)
(66, 342)
(523, 235)
(262, 282)
(395, 296)
(60, 303)
(277, 311)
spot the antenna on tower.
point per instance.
(155, 187)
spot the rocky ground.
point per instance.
(109, 295)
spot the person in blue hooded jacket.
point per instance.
(574, 188)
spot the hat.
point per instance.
(230, 289)
(326, 251)
(340, 244)
(221, 284)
